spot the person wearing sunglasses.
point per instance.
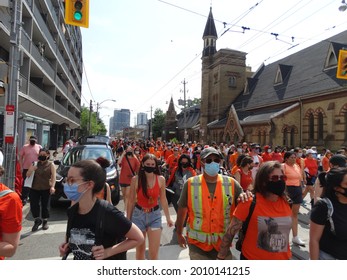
(267, 236)
(209, 200)
(294, 190)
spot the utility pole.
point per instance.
(90, 116)
(184, 110)
(151, 131)
(11, 114)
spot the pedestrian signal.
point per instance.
(342, 65)
(77, 12)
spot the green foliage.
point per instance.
(96, 126)
(158, 123)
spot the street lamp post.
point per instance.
(98, 104)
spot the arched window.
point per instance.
(285, 137)
(232, 81)
(292, 137)
(320, 126)
(311, 127)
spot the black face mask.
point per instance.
(276, 187)
(149, 169)
(185, 165)
(129, 154)
(42, 158)
(32, 142)
(344, 193)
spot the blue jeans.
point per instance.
(325, 256)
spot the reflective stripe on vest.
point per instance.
(195, 227)
(5, 192)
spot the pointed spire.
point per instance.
(210, 28)
(210, 36)
(171, 105)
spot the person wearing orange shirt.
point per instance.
(267, 155)
(234, 156)
(244, 174)
(172, 160)
(10, 220)
(325, 160)
(267, 236)
(311, 171)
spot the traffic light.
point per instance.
(342, 65)
(77, 12)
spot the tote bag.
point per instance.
(29, 180)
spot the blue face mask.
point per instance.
(212, 168)
(71, 191)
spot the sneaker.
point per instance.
(296, 240)
(44, 225)
(37, 223)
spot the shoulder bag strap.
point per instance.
(132, 171)
(245, 224)
(99, 230)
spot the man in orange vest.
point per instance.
(208, 200)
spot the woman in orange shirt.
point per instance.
(244, 174)
(267, 236)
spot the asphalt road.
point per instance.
(44, 244)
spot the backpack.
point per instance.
(328, 203)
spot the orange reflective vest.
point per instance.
(208, 219)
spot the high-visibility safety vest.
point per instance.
(209, 218)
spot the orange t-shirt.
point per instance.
(246, 179)
(10, 213)
(294, 175)
(266, 156)
(172, 161)
(233, 158)
(312, 166)
(267, 236)
(325, 163)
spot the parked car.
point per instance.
(89, 150)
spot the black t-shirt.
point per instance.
(335, 245)
(83, 230)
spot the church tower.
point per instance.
(170, 127)
(223, 78)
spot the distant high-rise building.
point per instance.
(141, 119)
(120, 120)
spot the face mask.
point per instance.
(149, 169)
(212, 168)
(185, 165)
(344, 193)
(276, 187)
(239, 150)
(42, 158)
(269, 150)
(32, 143)
(137, 152)
(129, 154)
(199, 149)
(72, 193)
(299, 154)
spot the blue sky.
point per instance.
(138, 52)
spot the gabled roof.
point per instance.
(192, 117)
(306, 74)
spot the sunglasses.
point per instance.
(276, 178)
(209, 160)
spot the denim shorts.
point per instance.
(295, 194)
(144, 221)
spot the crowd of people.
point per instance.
(219, 191)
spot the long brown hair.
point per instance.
(142, 179)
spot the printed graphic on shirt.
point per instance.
(81, 242)
(272, 235)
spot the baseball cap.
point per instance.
(339, 160)
(310, 151)
(209, 151)
(33, 137)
